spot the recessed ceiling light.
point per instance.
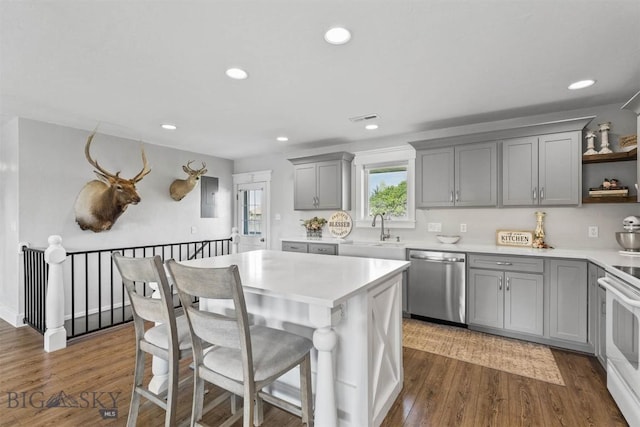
(581, 84)
(237, 73)
(372, 126)
(337, 35)
(169, 126)
(282, 138)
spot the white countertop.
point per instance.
(605, 258)
(322, 280)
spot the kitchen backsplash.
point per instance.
(564, 227)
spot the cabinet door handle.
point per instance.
(503, 263)
(604, 308)
(457, 195)
(508, 280)
(451, 196)
(541, 193)
(499, 283)
(535, 193)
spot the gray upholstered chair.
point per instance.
(233, 355)
(169, 340)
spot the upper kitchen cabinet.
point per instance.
(542, 170)
(322, 182)
(464, 175)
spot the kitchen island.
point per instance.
(350, 307)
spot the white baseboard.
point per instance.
(11, 316)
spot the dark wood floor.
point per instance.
(438, 391)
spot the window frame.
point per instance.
(385, 157)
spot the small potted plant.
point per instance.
(314, 226)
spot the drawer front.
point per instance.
(507, 263)
(294, 247)
(323, 248)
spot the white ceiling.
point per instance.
(131, 65)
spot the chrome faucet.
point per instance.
(383, 236)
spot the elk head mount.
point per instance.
(101, 202)
(181, 187)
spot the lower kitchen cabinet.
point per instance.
(512, 301)
(568, 300)
(312, 248)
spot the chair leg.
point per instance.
(172, 391)
(234, 404)
(247, 415)
(198, 398)
(258, 415)
(306, 394)
(138, 378)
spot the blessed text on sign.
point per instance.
(514, 238)
(340, 224)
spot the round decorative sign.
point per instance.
(340, 224)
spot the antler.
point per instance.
(94, 163)
(204, 165)
(145, 169)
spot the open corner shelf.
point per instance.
(611, 199)
(613, 157)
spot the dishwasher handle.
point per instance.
(435, 259)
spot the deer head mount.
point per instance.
(181, 187)
(101, 202)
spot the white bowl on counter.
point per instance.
(447, 238)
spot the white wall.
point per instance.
(565, 227)
(52, 170)
(9, 259)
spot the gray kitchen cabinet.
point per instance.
(542, 170)
(501, 297)
(464, 176)
(322, 182)
(435, 177)
(295, 247)
(323, 248)
(486, 299)
(568, 300)
(310, 247)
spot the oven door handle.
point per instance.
(619, 291)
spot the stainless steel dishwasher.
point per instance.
(437, 285)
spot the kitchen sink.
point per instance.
(375, 249)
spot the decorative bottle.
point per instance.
(538, 234)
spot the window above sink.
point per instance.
(385, 182)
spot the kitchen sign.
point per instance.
(340, 224)
(514, 238)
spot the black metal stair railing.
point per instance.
(36, 273)
(95, 296)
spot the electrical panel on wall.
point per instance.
(208, 190)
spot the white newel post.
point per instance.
(235, 240)
(55, 338)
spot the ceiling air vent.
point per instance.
(363, 118)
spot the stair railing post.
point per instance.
(55, 337)
(235, 240)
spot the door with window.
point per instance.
(251, 202)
